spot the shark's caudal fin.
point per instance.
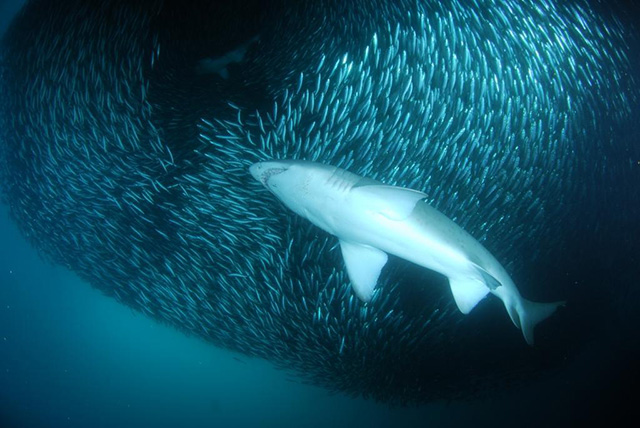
(526, 314)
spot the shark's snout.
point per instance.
(256, 171)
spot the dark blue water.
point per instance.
(70, 357)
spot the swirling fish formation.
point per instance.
(125, 162)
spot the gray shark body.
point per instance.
(372, 220)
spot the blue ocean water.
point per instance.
(71, 357)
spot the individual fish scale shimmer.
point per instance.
(115, 172)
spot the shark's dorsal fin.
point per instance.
(467, 292)
(364, 264)
(395, 203)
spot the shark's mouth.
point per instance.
(266, 175)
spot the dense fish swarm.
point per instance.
(121, 162)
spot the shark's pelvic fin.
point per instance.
(364, 264)
(467, 292)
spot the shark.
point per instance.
(372, 220)
(220, 65)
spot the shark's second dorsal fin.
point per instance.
(395, 203)
(364, 264)
(489, 280)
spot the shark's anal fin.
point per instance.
(364, 264)
(467, 292)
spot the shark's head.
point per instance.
(298, 184)
(265, 171)
(283, 176)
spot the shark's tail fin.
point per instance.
(527, 314)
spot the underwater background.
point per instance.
(71, 356)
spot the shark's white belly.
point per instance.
(410, 240)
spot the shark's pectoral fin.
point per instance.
(213, 66)
(395, 203)
(467, 292)
(223, 72)
(364, 264)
